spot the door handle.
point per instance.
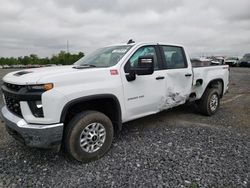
(188, 74)
(159, 77)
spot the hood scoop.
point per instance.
(20, 73)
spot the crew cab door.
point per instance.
(178, 74)
(143, 95)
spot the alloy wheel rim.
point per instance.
(214, 102)
(92, 137)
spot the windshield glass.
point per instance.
(104, 57)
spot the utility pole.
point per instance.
(67, 60)
(67, 46)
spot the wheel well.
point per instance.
(217, 83)
(108, 106)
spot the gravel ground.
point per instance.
(175, 148)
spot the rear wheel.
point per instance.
(88, 136)
(210, 102)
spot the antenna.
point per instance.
(130, 41)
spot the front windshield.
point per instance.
(104, 57)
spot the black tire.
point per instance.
(74, 131)
(204, 103)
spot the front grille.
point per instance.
(13, 105)
(13, 94)
(13, 87)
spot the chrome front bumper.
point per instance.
(34, 135)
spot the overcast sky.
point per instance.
(43, 27)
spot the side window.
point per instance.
(143, 51)
(174, 57)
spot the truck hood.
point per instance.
(33, 76)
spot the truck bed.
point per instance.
(207, 74)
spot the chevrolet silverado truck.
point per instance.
(80, 107)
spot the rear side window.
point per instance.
(174, 57)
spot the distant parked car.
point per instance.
(36, 66)
(232, 61)
(50, 65)
(6, 66)
(245, 61)
(220, 59)
(217, 60)
(16, 66)
(200, 62)
(22, 66)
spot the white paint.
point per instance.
(137, 98)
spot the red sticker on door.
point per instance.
(114, 72)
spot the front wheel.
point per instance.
(88, 136)
(210, 102)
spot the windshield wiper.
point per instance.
(83, 66)
(88, 65)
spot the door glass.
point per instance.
(143, 51)
(174, 57)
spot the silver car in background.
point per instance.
(232, 61)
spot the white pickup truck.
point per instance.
(81, 106)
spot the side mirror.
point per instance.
(145, 66)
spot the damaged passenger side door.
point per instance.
(178, 73)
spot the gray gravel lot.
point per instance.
(175, 148)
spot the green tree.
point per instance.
(61, 58)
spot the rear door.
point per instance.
(178, 74)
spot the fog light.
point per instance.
(4, 99)
(36, 108)
(39, 104)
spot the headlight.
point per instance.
(41, 87)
